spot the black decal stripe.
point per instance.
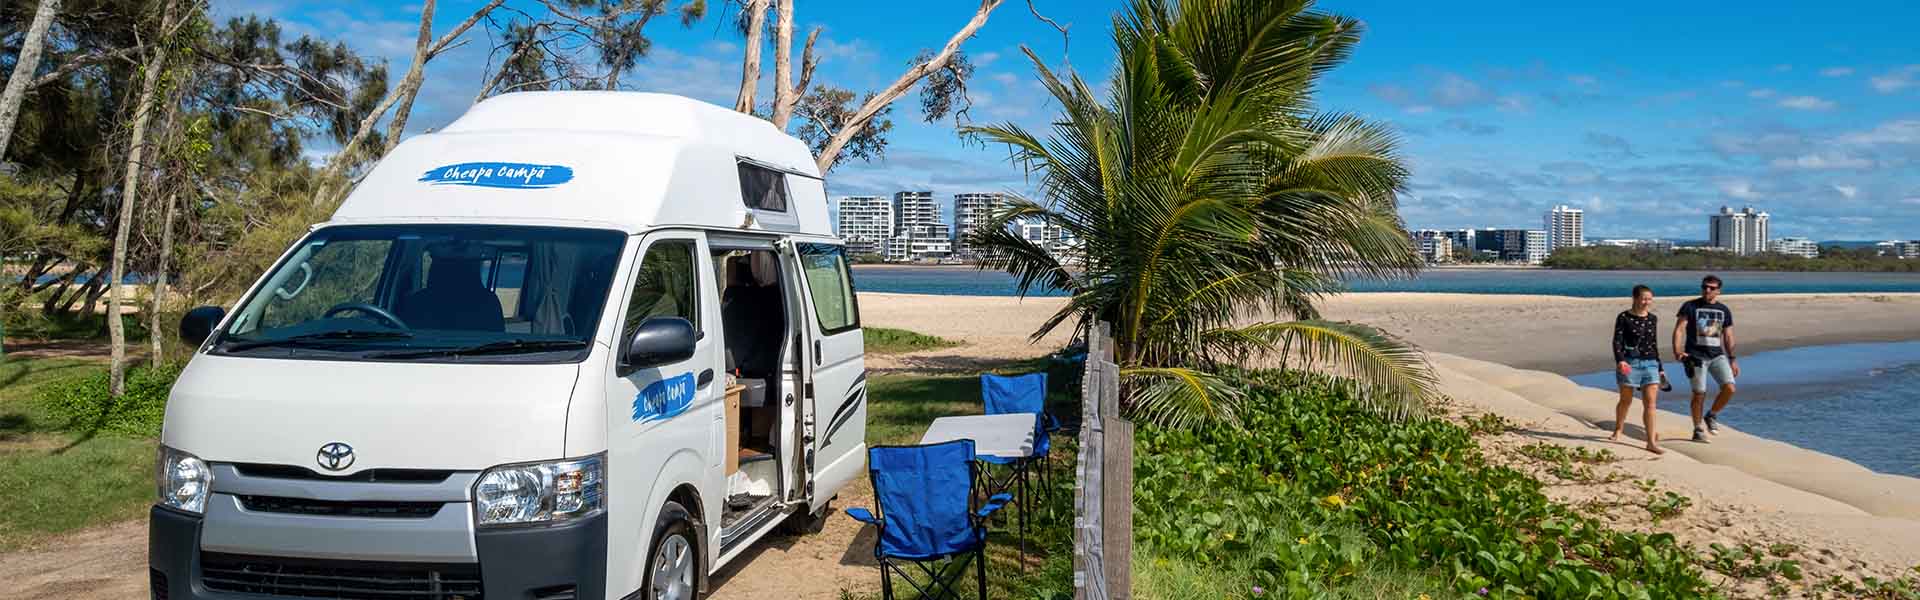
(845, 414)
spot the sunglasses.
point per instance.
(1710, 287)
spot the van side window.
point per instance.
(666, 285)
(832, 286)
(762, 188)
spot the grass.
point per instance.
(54, 481)
(883, 340)
(27, 322)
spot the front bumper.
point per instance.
(534, 563)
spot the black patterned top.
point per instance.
(1636, 338)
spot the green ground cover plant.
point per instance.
(883, 340)
(1314, 491)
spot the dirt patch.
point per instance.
(98, 350)
(106, 563)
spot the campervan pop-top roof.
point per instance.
(621, 160)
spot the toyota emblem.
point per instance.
(335, 456)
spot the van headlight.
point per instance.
(183, 480)
(540, 492)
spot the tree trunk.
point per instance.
(409, 87)
(783, 99)
(86, 292)
(129, 195)
(411, 83)
(830, 154)
(27, 62)
(160, 281)
(51, 305)
(750, 68)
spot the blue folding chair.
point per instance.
(1020, 394)
(925, 496)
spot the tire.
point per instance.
(674, 559)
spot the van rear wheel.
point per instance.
(673, 564)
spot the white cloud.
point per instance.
(1847, 190)
(856, 50)
(1836, 71)
(1895, 80)
(1739, 188)
(1453, 90)
(1821, 161)
(1806, 103)
(985, 58)
(1905, 131)
(1761, 93)
(1513, 104)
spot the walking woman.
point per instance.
(1636, 356)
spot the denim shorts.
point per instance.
(1719, 367)
(1641, 372)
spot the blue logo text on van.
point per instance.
(499, 175)
(664, 399)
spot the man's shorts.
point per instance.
(1718, 366)
(1641, 372)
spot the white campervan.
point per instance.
(574, 345)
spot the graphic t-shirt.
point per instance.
(1707, 323)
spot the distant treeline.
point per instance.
(1608, 258)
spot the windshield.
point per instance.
(431, 293)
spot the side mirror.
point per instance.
(199, 323)
(658, 341)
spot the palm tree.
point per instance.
(1207, 191)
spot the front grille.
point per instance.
(367, 476)
(308, 578)
(335, 508)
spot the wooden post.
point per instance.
(1117, 478)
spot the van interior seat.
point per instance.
(453, 299)
(754, 315)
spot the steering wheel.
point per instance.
(370, 309)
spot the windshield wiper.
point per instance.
(344, 334)
(502, 347)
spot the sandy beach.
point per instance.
(1549, 333)
(1506, 355)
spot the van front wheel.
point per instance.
(673, 564)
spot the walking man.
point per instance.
(1708, 350)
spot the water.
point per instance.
(1860, 402)
(1587, 284)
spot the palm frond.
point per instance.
(1182, 398)
(1394, 376)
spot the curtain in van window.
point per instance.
(552, 269)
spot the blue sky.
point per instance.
(1649, 116)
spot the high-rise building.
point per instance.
(1536, 246)
(918, 231)
(1512, 245)
(914, 208)
(1566, 228)
(1796, 246)
(1433, 245)
(970, 213)
(1741, 233)
(865, 223)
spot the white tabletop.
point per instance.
(1000, 436)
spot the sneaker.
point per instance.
(1713, 424)
(1700, 435)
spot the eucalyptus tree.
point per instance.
(1214, 204)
